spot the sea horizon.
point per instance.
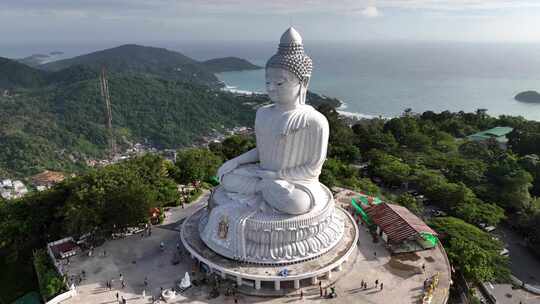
(379, 78)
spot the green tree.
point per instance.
(50, 282)
(531, 163)
(472, 250)
(233, 146)
(408, 201)
(449, 195)
(477, 212)
(196, 164)
(509, 183)
(390, 168)
(370, 135)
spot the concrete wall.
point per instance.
(525, 286)
(62, 297)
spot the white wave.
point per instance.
(235, 90)
(357, 115)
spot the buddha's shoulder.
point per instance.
(303, 116)
(313, 116)
(265, 108)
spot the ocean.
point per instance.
(382, 78)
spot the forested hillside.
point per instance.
(54, 117)
(475, 183)
(227, 64)
(136, 59)
(15, 74)
(57, 127)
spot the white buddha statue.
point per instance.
(292, 138)
(270, 207)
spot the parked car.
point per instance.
(505, 252)
(489, 228)
(439, 213)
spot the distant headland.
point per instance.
(528, 96)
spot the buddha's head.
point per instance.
(288, 72)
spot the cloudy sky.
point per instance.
(34, 21)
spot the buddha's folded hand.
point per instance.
(267, 174)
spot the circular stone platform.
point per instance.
(267, 276)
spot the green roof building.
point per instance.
(497, 133)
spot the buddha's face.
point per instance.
(283, 87)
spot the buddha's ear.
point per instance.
(305, 81)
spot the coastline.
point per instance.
(355, 115)
(235, 90)
(340, 109)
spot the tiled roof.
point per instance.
(397, 222)
(63, 247)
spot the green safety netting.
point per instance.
(430, 238)
(214, 180)
(361, 211)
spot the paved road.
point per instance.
(175, 215)
(523, 263)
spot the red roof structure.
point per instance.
(64, 249)
(397, 222)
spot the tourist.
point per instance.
(117, 296)
(123, 284)
(301, 294)
(320, 289)
(375, 253)
(145, 282)
(162, 246)
(376, 283)
(382, 285)
(121, 277)
(104, 253)
(235, 300)
(362, 284)
(424, 267)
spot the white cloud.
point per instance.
(370, 12)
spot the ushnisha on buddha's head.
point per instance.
(288, 72)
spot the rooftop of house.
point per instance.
(491, 133)
(397, 222)
(47, 177)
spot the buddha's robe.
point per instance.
(293, 144)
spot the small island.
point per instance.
(528, 96)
